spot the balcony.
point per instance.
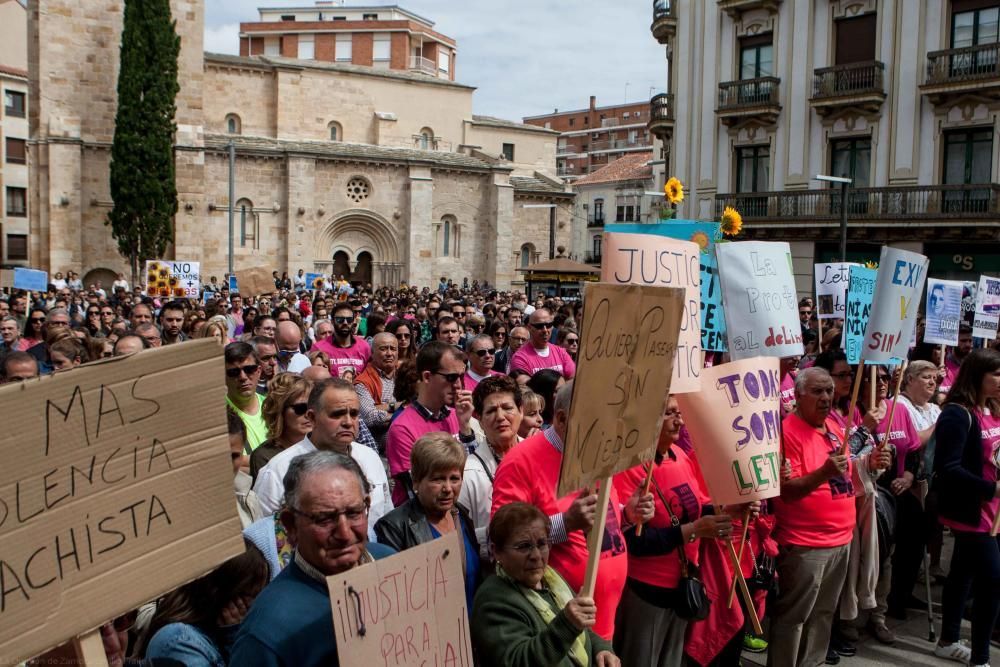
(664, 21)
(955, 72)
(854, 85)
(661, 115)
(620, 145)
(591, 257)
(735, 8)
(595, 220)
(749, 99)
(901, 207)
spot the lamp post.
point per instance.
(844, 183)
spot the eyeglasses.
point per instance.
(525, 548)
(343, 320)
(249, 369)
(404, 336)
(458, 313)
(518, 339)
(107, 312)
(805, 312)
(572, 341)
(882, 378)
(841, 376)
(541, 325)
(37, 320)
(328, 520)
(450, 378)
(57, 323)
(486, 351)
(299, 408)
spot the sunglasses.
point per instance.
(541, 325)
(299, 408)
(343, 320)
(37, 320)
(249, 369)
(486, 351)
(403, 336)
(572, 341)
(450, 378)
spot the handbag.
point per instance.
(691, 602)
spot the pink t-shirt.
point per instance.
(528, 359)
(405, 430)
(342, 359)
(990, 427)
(788, 391)
(471, 383)
(950, 373)
(903, 435)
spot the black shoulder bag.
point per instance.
(691, 601)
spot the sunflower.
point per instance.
(317, 283)
(674, 190)
(732, 221)
(701, 239)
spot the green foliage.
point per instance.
(143, 186)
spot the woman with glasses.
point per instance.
(403, 331)
(498, 330)
(284, 412)
(34, 330)
(526, 614)
(569, 340)
(93, 322)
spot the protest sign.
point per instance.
(735, 424)
(898, 288)
(255, 281)
(984, 325)
(648, 259)
(761, 303)
(704, 235)
(315, 281)
(233, 287)
(623, 375)
(860, 291)
(32, 280)
(831, 289)
(406, 610)
(944, 311)
(970, 289)
(173, 280)
(117, 487)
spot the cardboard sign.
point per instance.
(647, 259)
(970, 288)
(315, 281)
(412, 606)
(173, 280)
(762, 305)
(898, 289)
(860, 292)
(987, 308)
(944, 311)
(735, 425)
(116, 487)
(255, 281)
(704, 235)
(623, 375)
(831, 289)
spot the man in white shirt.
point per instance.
(334, 411)
(288, 336)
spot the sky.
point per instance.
(526, 57)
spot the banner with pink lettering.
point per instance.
(760, 299)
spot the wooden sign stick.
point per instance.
(89, 649)
(819, 334)
(645, 489)
(854, 402)
(744, 589)
(739, 557)
(595, 539)
(872, 387)
(892, 408)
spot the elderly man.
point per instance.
(242, 375)
(482, 357)
(129, 344)
(10, 333)
(288, 336)
(325, 514)
(334, 412)
(150, 334)
(141, 314)
(815, 524)
(267, 355)
(375, 385)
(348, 353)
(55, 320)
(171, 322)
(530, 474)
(323, 329)
(538, 354)
(18, 367)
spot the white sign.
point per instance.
(831, 289)
(898, 288)
(759, 299)
(987, 308)
(944, 311)
(173, 280)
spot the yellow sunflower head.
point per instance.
(701, 239)
(732, 221)
(674, 190)
(871, 265)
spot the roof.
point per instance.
(559, 265)
(13, 71)
(631, 167)
(490, 121)
(344, 151)
(276, 61)
(344, 8)
(536, 185)
(609, 107)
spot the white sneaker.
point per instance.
(956, 651)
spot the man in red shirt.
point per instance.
(815, 525)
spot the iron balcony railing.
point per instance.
(595, 220)
(661, 108)
(662, 9)
(591, 257)
(970, 63)
(848, 80)
(748, 93)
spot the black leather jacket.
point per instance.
(407, 526)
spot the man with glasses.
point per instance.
(267, 354)
(482, 357)
(150, 333)
(288, 337)
(441, 369)
(538, 354)
(242, 375)
(376, 384)
(349, 354)
(57, 319)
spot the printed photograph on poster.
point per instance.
(984, 324)
(831, 289)
(970, 288)
(944, 311)
(173, 279)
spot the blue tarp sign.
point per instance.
(232, 284)
(31, 279)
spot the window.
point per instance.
(572, 121)
(369, 17)
(447, 237)
(756, 57)
(358, 189)
(233, 124)
(307, 47)
(856, 39)
(599, 211)
(446, 234)
(13, 103)
(597, 247)
(15, 151)
(753, 166)
(248, 222)
(17, 246)
(527, 252)
(382, 48)
(548, 125)
(426, 139)
(851, 158)
(336, 131)
(17, 202)
(272, 46)
(444, 62)
(508, 152)
(967, 161)
(344, 48)
(974, 27)
(288, 17)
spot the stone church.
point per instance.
(383, 176)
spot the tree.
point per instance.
(143, 186)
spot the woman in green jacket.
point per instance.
(526, 615)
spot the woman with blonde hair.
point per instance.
(216, 328)
(319, 358)
(284, 412)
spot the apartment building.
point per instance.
(901, 97)
(383, 37)
(592, 138)
(13, 133)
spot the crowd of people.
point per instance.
(364, 422)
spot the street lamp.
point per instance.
(844, 182)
